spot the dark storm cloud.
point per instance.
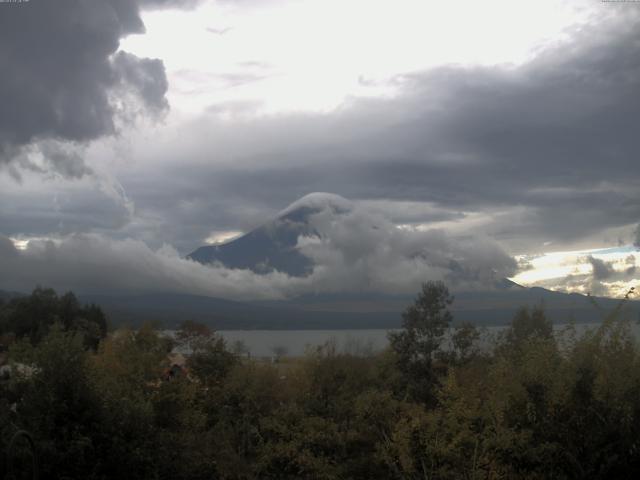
(145, 77)
(601, 270)
(60, 79)
(64, 159)
(557, 135)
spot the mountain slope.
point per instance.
(6, 296)
(273, 245)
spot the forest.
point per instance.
(443, 401)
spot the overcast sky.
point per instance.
(147, 128)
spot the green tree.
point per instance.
(416, 345)
(126, 372)
(59, 406)
(33, 316)
(464, 341)
(528, 324)
(208, 356)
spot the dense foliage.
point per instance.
(33, 316)
(440, 403)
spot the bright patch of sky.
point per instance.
(574, 271)
(22, 242)
(311, 55)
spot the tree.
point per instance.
(240, 348)
(424, 325)
(192, 332)
(209, 358)
(529, 324)
(464, 341)
(279, 351)
(33, 316)
(58, 404)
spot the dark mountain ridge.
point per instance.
(345, 311)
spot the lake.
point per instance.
(261, 343)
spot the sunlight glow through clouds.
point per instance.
(311, 55)
(573, 272)
(21, 243)
(222, 237)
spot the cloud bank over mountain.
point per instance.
(352, 251)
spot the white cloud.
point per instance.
(355, 251)
(92, 263)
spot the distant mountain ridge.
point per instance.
(340, 311)
(6, 296)
(345, 311)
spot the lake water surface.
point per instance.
(262, 343)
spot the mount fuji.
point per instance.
(276, 246)
(273, 246)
